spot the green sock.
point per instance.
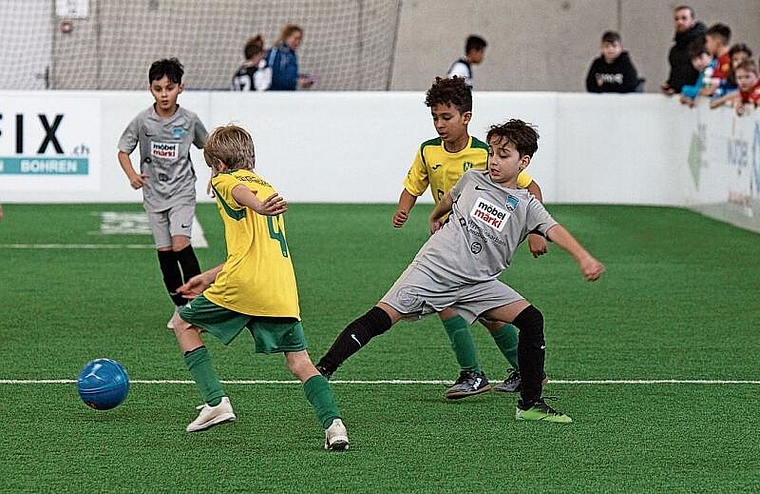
(199, 364)
(320, 395)
(462, 343)
(506, 338)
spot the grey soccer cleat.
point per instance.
(470, 383)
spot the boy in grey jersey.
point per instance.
(164, 133)
(459, 266)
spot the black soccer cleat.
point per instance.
(323, 370)
(513, 382)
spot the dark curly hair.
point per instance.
(169, 67)
(453, 91)
(523, 135)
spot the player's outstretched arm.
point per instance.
(590, 267)
(195, 285)
(271, 206)
(440, 211)
(405, 204)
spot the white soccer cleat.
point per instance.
(336, 437)
(211, 416)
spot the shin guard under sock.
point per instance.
(530, 353)
(462, 343)
(167, 260)
(199, 364)
(506, 339)
(188, 262)
(354, 337)
(320, 395)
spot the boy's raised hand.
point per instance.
(537, 244)
(272, 205)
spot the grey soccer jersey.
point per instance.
(165, 155)
(486, 225)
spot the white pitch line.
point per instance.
(405, 381)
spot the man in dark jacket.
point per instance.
(688, 29)
(613, 71)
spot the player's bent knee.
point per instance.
(300, 365)
(530, 322)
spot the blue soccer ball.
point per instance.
(103, 384)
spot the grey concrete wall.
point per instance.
(548, 45)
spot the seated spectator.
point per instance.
(283, 60)
(688, 30)
(704, 63)
(612, 71)
(474, 53)
(254, 74)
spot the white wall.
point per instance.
(356, 147)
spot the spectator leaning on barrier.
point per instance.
(474, 53)
(749, 86)
(688, 30)
(255, 74)
(717, 39)
(612, 71)
(704, 63)
(738, 53)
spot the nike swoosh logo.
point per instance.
(185, 226)
(356, 340)
(477, 187)
(436, 167)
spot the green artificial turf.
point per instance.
(679, 302)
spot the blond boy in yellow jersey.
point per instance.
(438, 164)
(255, 288)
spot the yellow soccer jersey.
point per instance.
(440, 169)
(258, 278)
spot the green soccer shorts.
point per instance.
(270, 334)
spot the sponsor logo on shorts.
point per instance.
(164, 150)
(489, 213)
(475, 247)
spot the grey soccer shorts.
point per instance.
(177, 220)
(415, 294)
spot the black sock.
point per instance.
(530, 353)
(355, 336)
(189, 262)
(167, 260)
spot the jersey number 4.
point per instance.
(275, 233)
